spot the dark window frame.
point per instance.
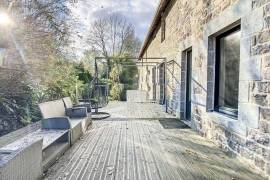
(163, 28)
(224, 110)
(188, 83)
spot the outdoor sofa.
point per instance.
(33, 154)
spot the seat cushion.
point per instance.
(52, 109)
(49, 136)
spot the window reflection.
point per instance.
(228, 59)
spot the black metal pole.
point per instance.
(165, 84)
(96, 83)
(107, 86)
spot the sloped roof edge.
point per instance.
(161, 8)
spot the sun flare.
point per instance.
(5, 19)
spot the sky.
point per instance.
(139, 12)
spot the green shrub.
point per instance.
(18, 97)
(122, 78)
(63, 81)
(116, 91)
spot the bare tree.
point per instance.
(113, 36)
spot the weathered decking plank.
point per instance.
(95, 156)
(112, 157)
(145, 143)
(153, 170)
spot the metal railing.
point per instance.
(99, 91)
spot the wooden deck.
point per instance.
(140, 141)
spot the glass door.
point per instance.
(188, 83)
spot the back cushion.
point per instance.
(68, 102)
(52, 109)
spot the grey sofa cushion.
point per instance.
(86, 105)
(56, 123)
(68, 104)
(76, 112)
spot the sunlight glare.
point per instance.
(5, 19)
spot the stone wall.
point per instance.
(195, 24)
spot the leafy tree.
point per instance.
(63, 81)
(83, 74)
(42, 30)
(122, 78)
(116, 86)
(114, 36)
(129, 77)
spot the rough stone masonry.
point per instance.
(195, 24)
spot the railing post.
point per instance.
(165, 84)
(96, 82)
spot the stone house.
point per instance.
(217, 71)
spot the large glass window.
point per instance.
(227, 72)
